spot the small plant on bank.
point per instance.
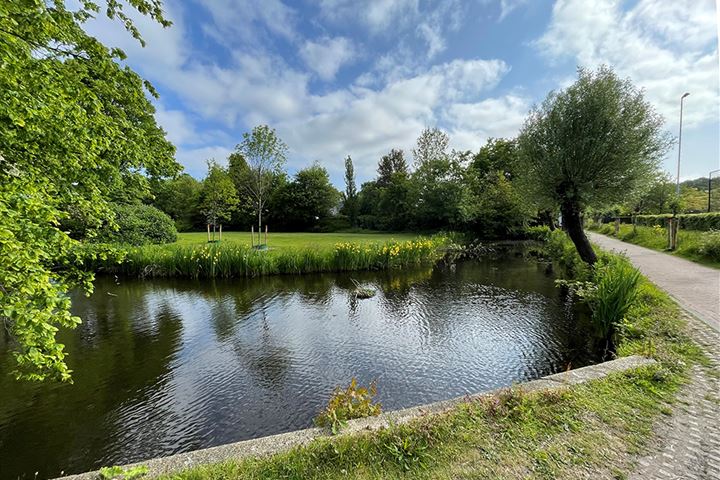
(408, 451)
(119, 473)
(346, 404)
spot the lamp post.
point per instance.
(677, 186)
(710, 186)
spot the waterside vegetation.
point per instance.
(227, 260)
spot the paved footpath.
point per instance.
(694, 286)
(687, 444)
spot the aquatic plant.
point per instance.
(346, 404)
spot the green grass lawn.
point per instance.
(297, 240)
(688, 246)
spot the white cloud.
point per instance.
(367, 123)
(377, 15)
(471, 124)
(327, 55)
(178, 127)
(365, 119)
(507, 6)
(434, 39)
(666, 47)
(195, 159)
(249, 22)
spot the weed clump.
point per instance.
(349, 403)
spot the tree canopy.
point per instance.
(590, 145)
(75, 127)
(218, 198)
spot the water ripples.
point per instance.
(169, 366)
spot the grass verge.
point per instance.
(694, 245)
(587, 431)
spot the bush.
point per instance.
(539, 233)
(688, 221)
(709, 245)
(346, 404)
(139, 225)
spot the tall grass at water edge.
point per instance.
(233, 260)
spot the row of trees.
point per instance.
(252, 189)
(444, 189)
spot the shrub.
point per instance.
(709, 245)
(139, 225)
(349, 403)
(539, 233)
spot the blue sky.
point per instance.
(347, 77)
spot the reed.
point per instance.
(235, 260)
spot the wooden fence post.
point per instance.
(252, 235)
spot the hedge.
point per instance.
(688, 221)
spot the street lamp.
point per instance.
(677, 186)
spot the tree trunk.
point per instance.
(573, 225)
(259, 222)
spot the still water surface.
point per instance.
(169, 366)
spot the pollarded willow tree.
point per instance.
(75, 128)
(591, 145)
(264, 154)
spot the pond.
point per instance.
(162, 367)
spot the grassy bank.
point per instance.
(589, 430)
(295, 240)
(701, 247)
(228, 259)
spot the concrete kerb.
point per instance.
(284, 442)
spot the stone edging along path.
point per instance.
(285, 441)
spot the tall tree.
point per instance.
(308, 199)
(179, 197)
(432, 144)
(75, 127)
(350, 203)
(265, 155)
(390, 164)
(219, 198)
(591, 145)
